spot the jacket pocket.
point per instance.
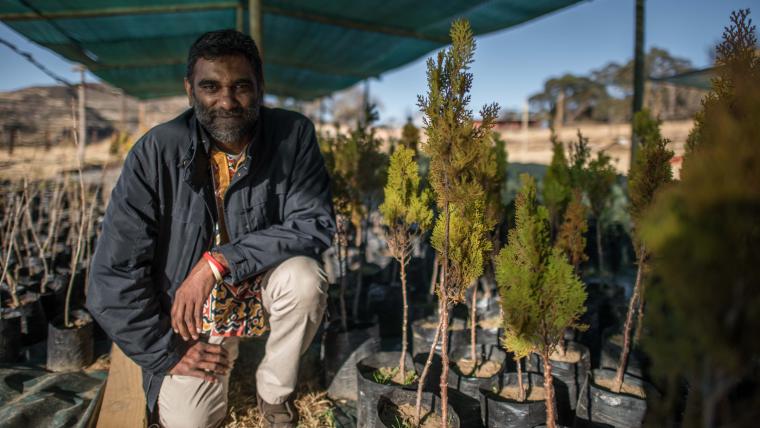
(255, 217)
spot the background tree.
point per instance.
(456, 148)
(580, 96)
(556, 186)
(702, 308)
(369, 178)
(407, 214)
(410, 135)
(600, 180)
(571, 239)
(605, 93)
(540, 294)
(341, 154)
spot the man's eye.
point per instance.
(243, 87)
(209, 87)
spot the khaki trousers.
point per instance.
(295, 297)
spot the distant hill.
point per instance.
(45, 114)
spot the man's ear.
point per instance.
(189, 92)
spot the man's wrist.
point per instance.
(218, 261)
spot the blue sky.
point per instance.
(511, 64)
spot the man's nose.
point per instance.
(227, 99)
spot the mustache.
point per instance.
(227, 114)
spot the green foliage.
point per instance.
(341, 156)
(454, 143)
(385, 375)
(494, 170)
(357, 168)
(737, 63)
(579, 155)
(651, 168)
(570, 238)
(457, 148)
(405, 205)
(601, 176)
(703, 304)
(469, 245)
(410, 135)
(556, 186)
(540, 294)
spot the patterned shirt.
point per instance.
(231, 309)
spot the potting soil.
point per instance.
(405, 414)
(571, 355)
(627, 388)
(484, 370)
(532, 393)
(33, 397)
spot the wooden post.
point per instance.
(141, 116)
(82, 115)
(123, 100)
(12, 134)
(559, 111)
(255, 24)
(123, 400)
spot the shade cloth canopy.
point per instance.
(311, 48)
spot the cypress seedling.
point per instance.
(540, 294)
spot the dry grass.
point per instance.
(38, 163)
(314, 408)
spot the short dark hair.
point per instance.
(215, 44)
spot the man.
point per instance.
(217, 219)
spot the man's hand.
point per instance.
(187, 309)
(202, 360)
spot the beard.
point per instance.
(227, 126)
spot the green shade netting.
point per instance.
(311, 48)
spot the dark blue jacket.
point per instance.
(160, 218)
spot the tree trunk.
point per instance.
(404, 340)
(445, 322)
(474, 323)
(343, 283)
(599, 250)
(619, 375)
(362, 232)
(549, 390)
(520, 384)
(640, 314)
(426, 368)
(434, 278)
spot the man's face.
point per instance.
(224, 95)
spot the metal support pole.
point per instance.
(638, 70)
(255, 24)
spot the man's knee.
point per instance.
(182, 404)
(302, 280)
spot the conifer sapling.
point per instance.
(456, 147)
(407, 214)
(540, 294)
(649, 173)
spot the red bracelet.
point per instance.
(207, 255)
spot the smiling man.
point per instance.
(213, 233)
